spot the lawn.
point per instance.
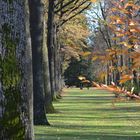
(92, 115)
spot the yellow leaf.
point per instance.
(86, 53)
(85, 81)
(94, 58)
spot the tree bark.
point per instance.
(36, 24)
(50, 44)
(58, 69)
(16, 92)
(46, 73)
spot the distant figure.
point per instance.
(81, 86)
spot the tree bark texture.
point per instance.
(36, 25)
(46, 73)
(50, 44)
(16, 92)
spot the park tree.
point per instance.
(126, 30)
(16, 95)
(37, 35)
(122, 21)
(60, 12)
(97, 17)
(73, 36)
(50, 43)
(82, 67)
(55, 21)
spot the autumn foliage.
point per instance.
(122, 58)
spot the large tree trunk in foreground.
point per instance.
(36, 22)
(16, 113)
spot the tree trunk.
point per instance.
(50, 44)
(57, 63)
(46, 73)
(59, 70)
(36, 23)
(16, 92)
(55, 60)
(131, 42)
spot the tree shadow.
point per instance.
(79, 114)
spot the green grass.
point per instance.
(91, 115)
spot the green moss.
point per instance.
(11, 78)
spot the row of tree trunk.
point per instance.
(30, 67)
(30, 63)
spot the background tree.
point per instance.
(78, 68)
(59, 13)
(122, 21)
(73, 36)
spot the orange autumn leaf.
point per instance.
(85, 81)
(125, 78)
(94, 1)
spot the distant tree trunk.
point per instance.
(130, 60)
(36, 23)
(108, 76)
(58, 72)
(59, 69)
(16, 92)
(50, 44)
(55, 59)
(57, 63)
(46, 73)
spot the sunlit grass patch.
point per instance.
(91, 115)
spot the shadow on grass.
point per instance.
(110, 109)
(92, 117)
(84, 136)
(121, 109)
(89, 97)
(85, 118)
